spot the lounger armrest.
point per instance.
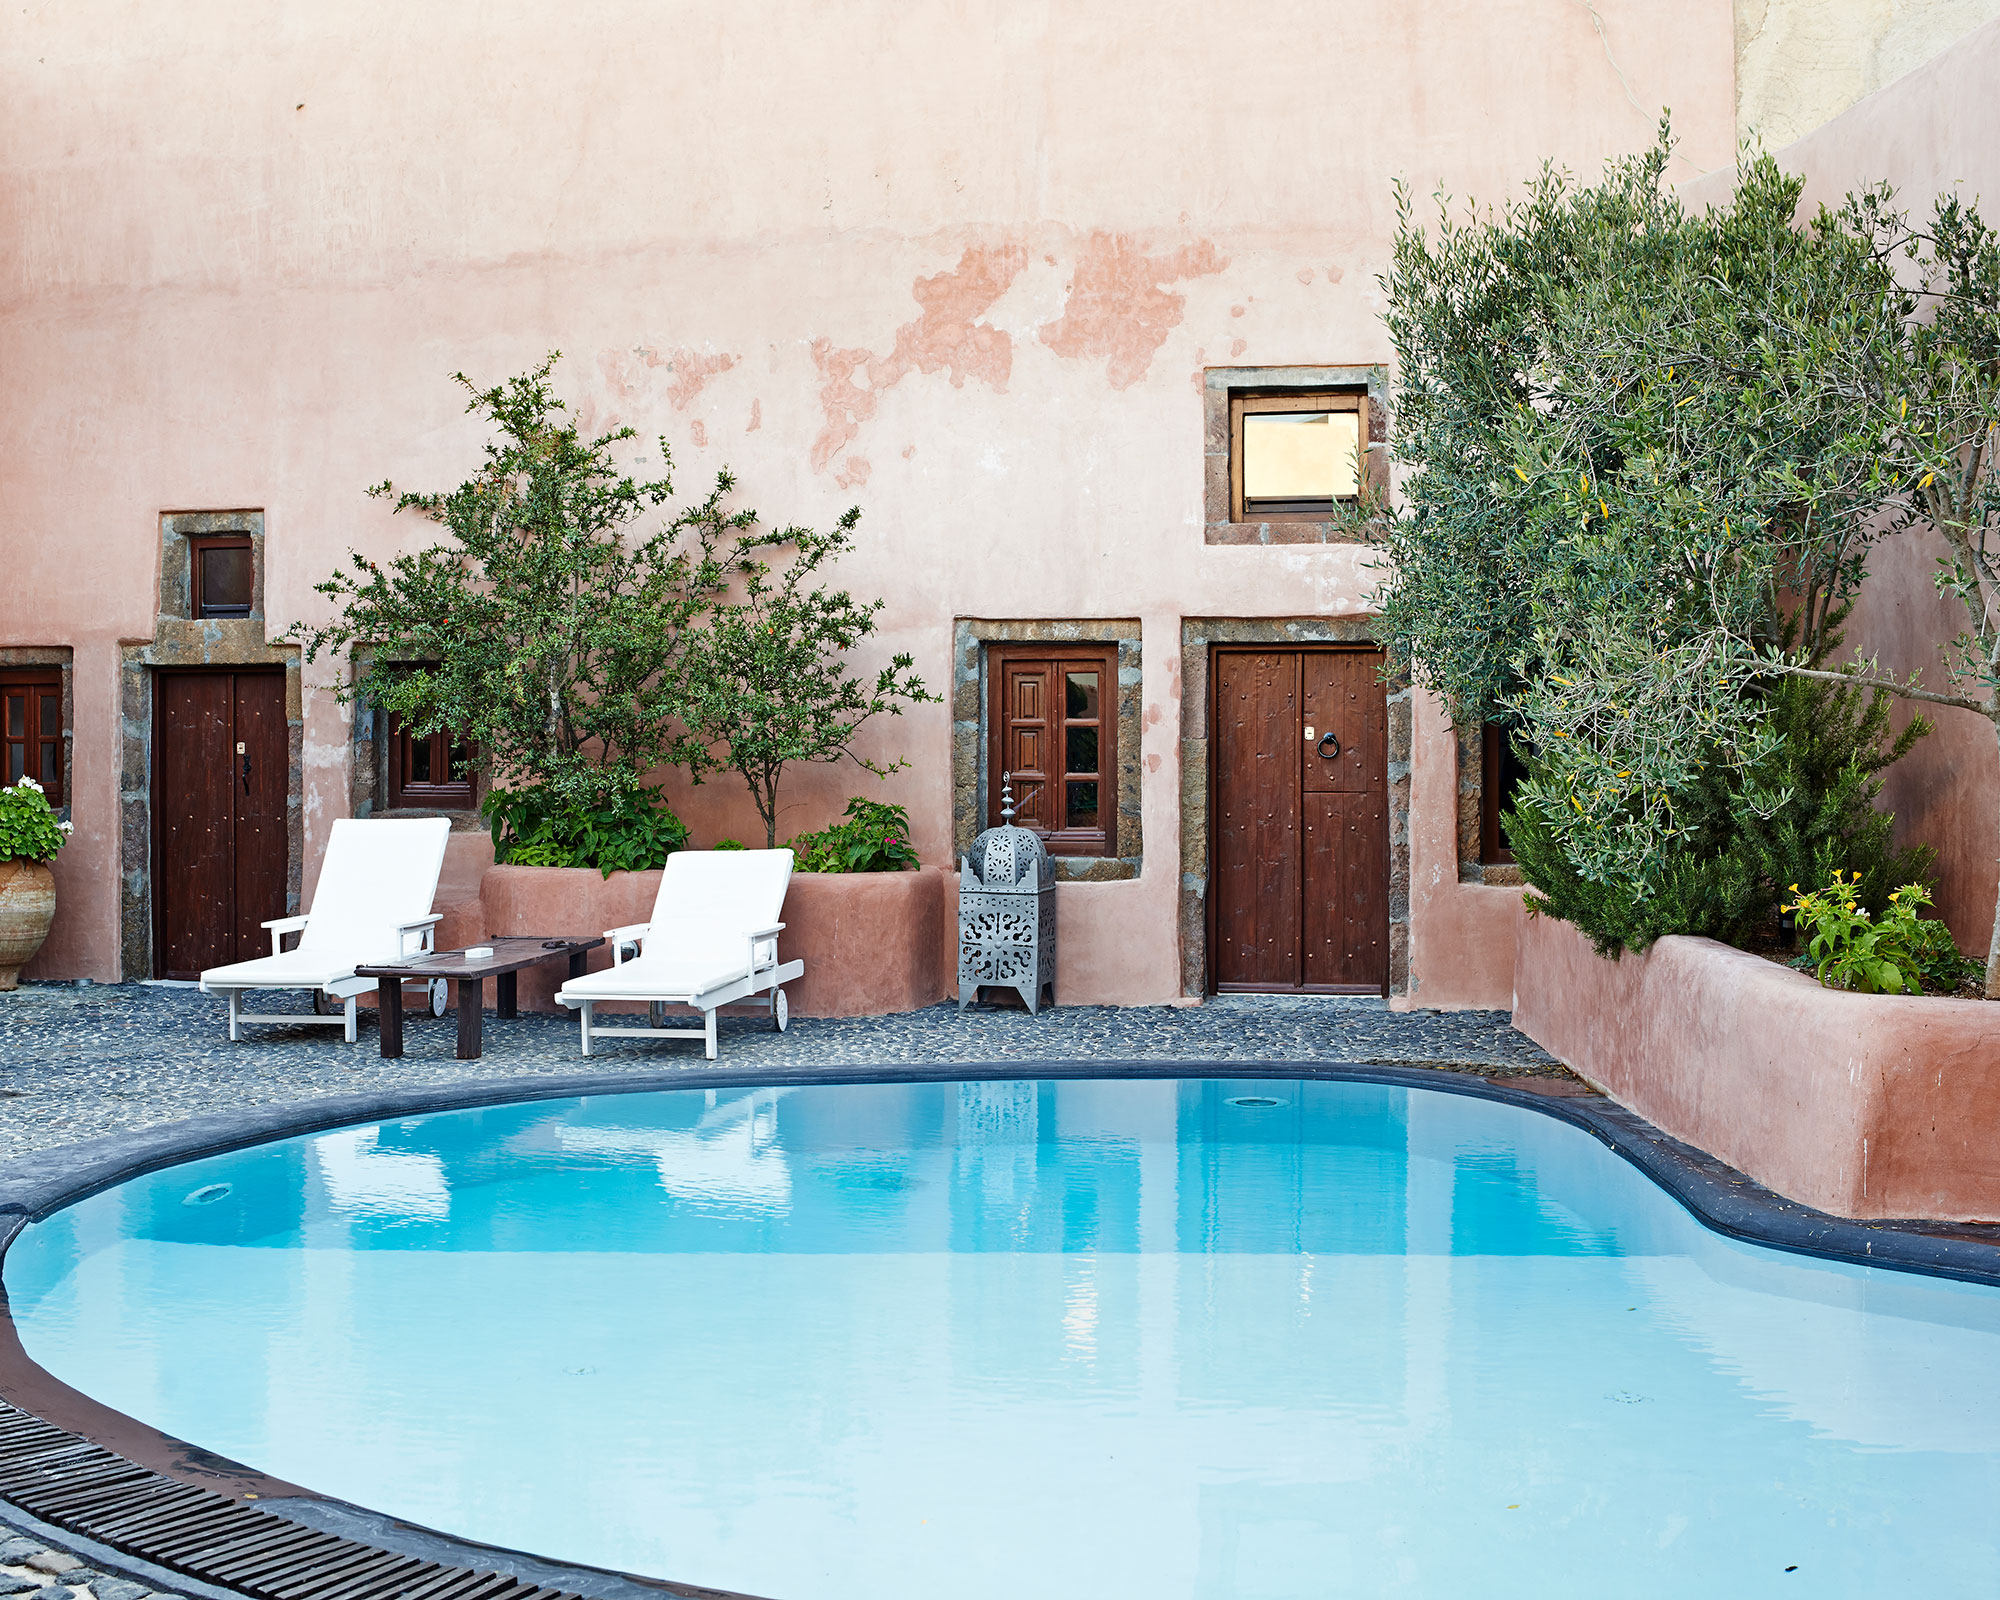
(280, 926)
(424, 927)
(619, 938)
(764, 946)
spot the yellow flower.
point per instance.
(1520, 474)
(1927, 480)
(1793, 887)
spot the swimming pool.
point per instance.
(1097, 1337)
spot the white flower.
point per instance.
(67, 827)
(29, 783)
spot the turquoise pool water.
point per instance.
(1099, 1338)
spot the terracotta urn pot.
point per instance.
(27, 907)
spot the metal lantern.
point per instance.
(1007, 912)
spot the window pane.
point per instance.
(17, 716)
(1082, 752)
(1300, 455)
(420, 760)
(51, 718)
(225, 578)
(48, 779)
(1082, 695)
(1082, 805)
(17, 755)
(461, 763)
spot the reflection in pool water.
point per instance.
(1098, 1338)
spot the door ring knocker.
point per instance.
(1329, 747)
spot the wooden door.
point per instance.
(220, 776)
(1300, 847)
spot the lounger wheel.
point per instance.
(324, 1004)
(781, 1010)
(440, 999)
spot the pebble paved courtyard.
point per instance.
(80, 1062)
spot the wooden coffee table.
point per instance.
(469, 973)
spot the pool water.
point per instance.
(1099, 1338)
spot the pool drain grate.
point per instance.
(87, 1490)
(1255, 1102)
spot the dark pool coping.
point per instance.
(36, 1185)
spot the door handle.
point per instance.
(246, 769)
(1329, 746)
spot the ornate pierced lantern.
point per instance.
(1007, 912)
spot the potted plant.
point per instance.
(30, 836)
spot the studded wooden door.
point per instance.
(1299, 879)
(220, 777)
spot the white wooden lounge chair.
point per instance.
(373, 904)
(713, 941)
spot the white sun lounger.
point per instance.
(373, 904)
(713, 941)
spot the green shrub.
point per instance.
(1805, 810)
(29, 828)
(729, 844)
(630, 829)
(1899, 952)
(874, 838)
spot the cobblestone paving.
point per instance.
(30, 1568)
(79, 1062)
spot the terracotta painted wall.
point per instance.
(1935, 130)
(963, 265)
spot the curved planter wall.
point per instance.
(872, 942)
(1867, 1106)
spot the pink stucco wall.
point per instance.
(961, 265)
(1862, 1105)
(1935, 131)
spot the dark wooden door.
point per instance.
(220, 774)
(1300, 849)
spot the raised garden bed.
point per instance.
(873, 942)
(1867, 1106)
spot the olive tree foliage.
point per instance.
(547, 626)
(1648, 451)
(769, 679)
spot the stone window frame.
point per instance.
(1198, 636)
(62, 659)
(181, 640)
(971, 701)
(1220, 384)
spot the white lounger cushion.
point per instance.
(708, 905)
(295, 969)
(377, 878)
(675, 962)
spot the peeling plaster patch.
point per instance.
(1118, 307)
(947, 338)
(909, 450)
(1153, 763)
(1236, 311)
(756, 416)
(1334, 274)
(853, 472)
(1237, 347)
(691, 369)
(1305, 274)
(844, 403)
(698, 431)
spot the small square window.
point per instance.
(1054, 734)
(224, 576)
(31, 732)
(1294, 457)
(431, 770)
